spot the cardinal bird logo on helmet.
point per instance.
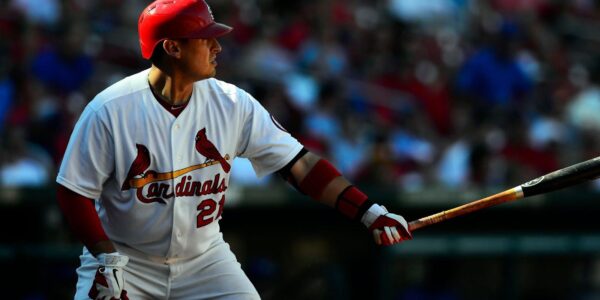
(207, 149)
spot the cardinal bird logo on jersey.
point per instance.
(159, 185)
(208, 150)
(139, 166)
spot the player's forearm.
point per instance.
(83, 220)
(320, 180)
(331, 189)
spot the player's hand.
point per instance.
(387, 228)
(108, 283)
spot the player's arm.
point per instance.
(319, 179)
(81, 216)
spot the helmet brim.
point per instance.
(213, 30)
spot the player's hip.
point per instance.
(216, 274)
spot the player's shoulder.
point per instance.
(121, 91)
(224, 90)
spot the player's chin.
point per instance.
(207, 75)
(212, 71)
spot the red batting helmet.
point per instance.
(176, 19)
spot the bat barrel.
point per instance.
(562, 178)
(571, 175)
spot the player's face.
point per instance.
(200, 57)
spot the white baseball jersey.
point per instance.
(160, 181)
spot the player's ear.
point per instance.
(172, 48)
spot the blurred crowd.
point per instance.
(408, 93)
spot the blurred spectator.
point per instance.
(467, 159)
(379, 169)
(7, 87)
(64, 67)
(453, 168)
(410, 144)
(546, 130)
(582, 111)
(23, 164)
(324, 54)
(423, 11)
(322, 123)
(46, 13)
(427, 91)
(264, 59)
(275, 99)
(526, 161)
(295, 32)
(581, 117)
(302, 88)
(351, 148)
(492, 78)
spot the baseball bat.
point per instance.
(565, 177)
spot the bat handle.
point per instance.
(502, 197)
(422, 222)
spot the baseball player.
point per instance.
(144, 178)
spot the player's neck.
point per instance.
(170, 89)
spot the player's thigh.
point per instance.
(214, 275)
(145, 279)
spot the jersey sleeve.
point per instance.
(89, 159)
(267, 145)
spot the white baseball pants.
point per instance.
(216, 274)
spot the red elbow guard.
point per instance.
(314, 183)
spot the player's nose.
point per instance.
(216, 46)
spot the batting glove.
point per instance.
(387, 228)
(108, 283)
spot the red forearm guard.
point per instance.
(353, 203)
(81, 216)
(314, 183)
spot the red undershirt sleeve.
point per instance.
(81, 216)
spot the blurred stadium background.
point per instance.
(424, 104)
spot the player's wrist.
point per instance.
(109, 281)
(353, 203)
(113, 259)
(104, 246)
(372, 213)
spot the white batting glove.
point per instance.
(387, 228)
(108, 283)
